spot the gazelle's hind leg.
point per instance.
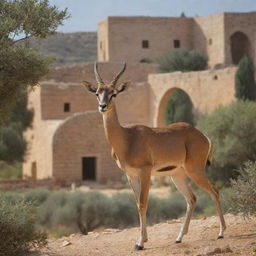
(199, 177)
(180, 181)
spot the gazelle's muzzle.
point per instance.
(103, 99)
(102, 108)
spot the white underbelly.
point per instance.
(131, 171)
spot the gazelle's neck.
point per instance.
(114, 132)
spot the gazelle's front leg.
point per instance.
(179, 179)
(140, 186)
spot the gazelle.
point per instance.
(178, 150)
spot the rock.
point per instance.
(226, 249)
(65, 243)
(173, 221)
(96, 235)
(111, 230)
(211, 250)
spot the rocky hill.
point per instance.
(69, 48)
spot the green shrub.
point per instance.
(232, 132)
(81, 211)
(63, 213)
(123, 211)
(47, 210)
(203, 201)
(36, 196)
(182, 60)
(18, 232)
(161, 209)
(245, 81)
(242, 196)
(10, 171)
(12, 144)
(179, 108)
(66, 213)
(95, 210)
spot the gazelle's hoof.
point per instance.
(177, 242)
(138, 247)
(220, 237)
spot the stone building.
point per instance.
(67, 140)
(224, 38)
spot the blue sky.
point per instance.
(85, 14)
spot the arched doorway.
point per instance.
(240, 47)
(175, 106)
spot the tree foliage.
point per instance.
(21, 66)
(182, 60)
(12, 143)
(232, 132)
(245, 86)
(179, 108)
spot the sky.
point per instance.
(85, 14)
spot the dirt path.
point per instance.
(240, 239)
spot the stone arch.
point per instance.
(163, 104)
(240, 46)
(82, 136)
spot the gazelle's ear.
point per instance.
(89, 86)
(123, 86)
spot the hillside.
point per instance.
(69, 48)
(240, 239)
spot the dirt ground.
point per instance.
(240, 239)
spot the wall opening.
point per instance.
(145, 44)
(240, 46)
(176, 43)
(33, 171)
(175, 106)
(89, 168)
(66, 107)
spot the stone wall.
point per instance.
(135, 72)
(82, 135)
(208, 37)
(39, 138)
(133, 105)
(103, 41)
(125, 36)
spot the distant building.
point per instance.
(224, 38)
(67, 140)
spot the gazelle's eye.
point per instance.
(97, 94)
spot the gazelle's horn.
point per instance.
(97, 75)
(114, 81)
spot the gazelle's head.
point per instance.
(105, 92)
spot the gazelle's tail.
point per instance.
(210, 154)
